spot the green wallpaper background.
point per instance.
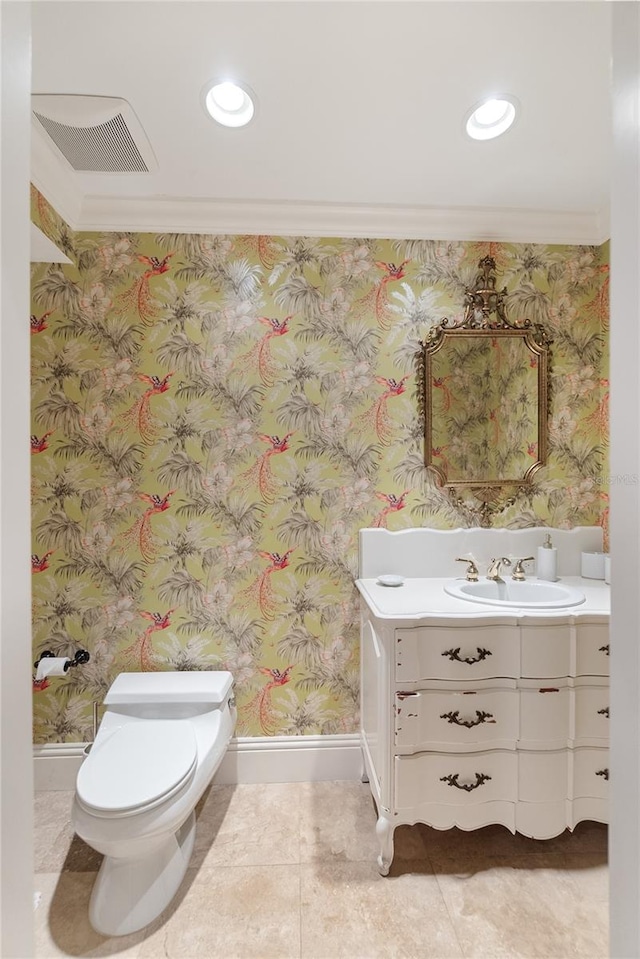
(215, 417)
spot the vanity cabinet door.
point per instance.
(592, 712)
(458, 779)
(430, 720)
(592, 649)
(459, 653)
(590, 773)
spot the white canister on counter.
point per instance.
(593, 565)
(547, 565)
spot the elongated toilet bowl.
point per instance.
(159, 744)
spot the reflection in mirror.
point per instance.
(485, 395)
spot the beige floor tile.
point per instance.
(248, 825)
(338, 823)
(520, 907)
(61, 920)
(349, 910)
(233, 912)
(56, 847)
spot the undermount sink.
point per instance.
(527, 595)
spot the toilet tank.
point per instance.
(171, 694)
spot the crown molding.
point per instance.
(173, 215)
(59, 184)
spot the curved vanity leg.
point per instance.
(364, 778)
(384, 832)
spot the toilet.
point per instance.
(161, 739)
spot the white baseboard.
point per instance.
(277, 759)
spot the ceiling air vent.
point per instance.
(94, 134)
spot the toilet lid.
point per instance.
(138, 765)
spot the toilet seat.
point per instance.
(139, 766)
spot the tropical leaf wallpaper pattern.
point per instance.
(215, 418)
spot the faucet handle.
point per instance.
(518, 569)
(472, 569)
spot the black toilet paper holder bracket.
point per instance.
(80, 658)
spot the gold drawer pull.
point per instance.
(604, 773)
(481, 717)
(452, 780)
(604, 712)
(604, 649)
(454, 654)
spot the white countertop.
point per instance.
(425, 598)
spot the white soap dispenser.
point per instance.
(547, 567)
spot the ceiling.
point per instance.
(359, 128)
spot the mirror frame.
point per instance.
(485, 316)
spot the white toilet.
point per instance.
(161, 739)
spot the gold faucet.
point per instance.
(494, 568)
(472, 569)
(518, 569)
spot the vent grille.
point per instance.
(105, 148)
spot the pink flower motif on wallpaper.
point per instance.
(357, 378)
(96, 422)
(98, 540)
(218, 598)
(583, 268)
(120, 495)
(239, 315)
(121, 612)
(239, 553)
(563, 425)
(562, 313)
(582, 381)
(356, 262)
(238, 436)
(357, 495)
(218, 480)
(583, 494)
(117, 377)
(116, 256)
(336, 543)
(336, 305)
(217, 363)
(95, 303)
(336, 421)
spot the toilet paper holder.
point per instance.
(81, 657)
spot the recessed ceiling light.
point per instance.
(491, 118)
(229, 103)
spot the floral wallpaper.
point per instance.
(215, 418)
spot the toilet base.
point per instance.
(130, 893)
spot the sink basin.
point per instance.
(527, 595)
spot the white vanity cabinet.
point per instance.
(472, 715)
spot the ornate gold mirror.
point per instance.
(485, 380)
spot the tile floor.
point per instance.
(289, 870)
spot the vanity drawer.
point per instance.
(543, 776)
(592, 649)
(590, 773)
(457, 653)
(545, 715)
(430, 719)
(546, 651)
(460, 779)
(592, 712)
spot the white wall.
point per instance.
(16, 775)
(624, 836)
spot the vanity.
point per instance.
(482, 711)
